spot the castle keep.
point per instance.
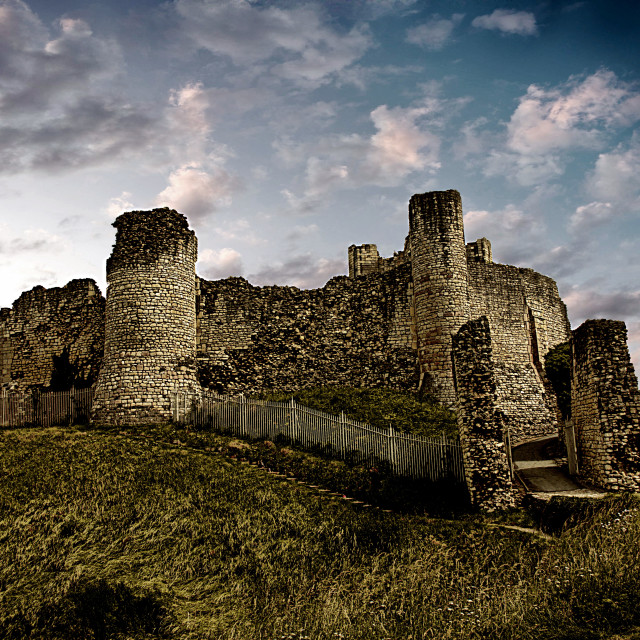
(438, 318)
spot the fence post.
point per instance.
(392, 448)
(293, 420)
(507, 447)
(243, 415)
(343, 436)
(72, 402)
(35, 404)
(570, 443)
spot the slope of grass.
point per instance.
(378, 407)
(104, 535)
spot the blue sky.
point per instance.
(286, 131)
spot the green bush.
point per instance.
(557, 366)
(377, 407)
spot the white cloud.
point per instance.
(302, 271)
(520, 23)
(198, 192)
(584, 303)
(30, 241)
(297, 43)
(515, 235)
(239, 230)
(302, 231)
(616, 176)
(118, 205)
(510, 220)
(526, 170)
(214, 265)
(58, 107)
(435, 33)
(317, 64)
(588, 216)
(472, 139)
(401, 145)
(573, 114)
(191, 104)
(550, 124)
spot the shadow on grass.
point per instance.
(92, 610)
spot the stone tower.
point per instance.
(150, 327)
(439, 268)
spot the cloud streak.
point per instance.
(436, 33)
(508, 21)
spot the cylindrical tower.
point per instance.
(150, 323)
(441, 297)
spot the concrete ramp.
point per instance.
(539, 471)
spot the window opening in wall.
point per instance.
(533, 341)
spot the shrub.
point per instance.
(557, 366)
(377, 407)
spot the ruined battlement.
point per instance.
(479, 251)
(365, 259)
(146, 237)
(42, 323)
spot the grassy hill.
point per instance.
(107, 534)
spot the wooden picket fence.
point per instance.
(408, 455)
(51, 408)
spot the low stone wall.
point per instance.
(605, 406)
(479, 420)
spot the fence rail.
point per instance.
(51, 408)
(408, 454)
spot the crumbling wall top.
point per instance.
(143, 236)
(479, 251)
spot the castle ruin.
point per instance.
(391, 322)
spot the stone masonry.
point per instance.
(480, 421)
(605, 406)
(150, 333)
(42, 323)
(352, 332)
(441, 296)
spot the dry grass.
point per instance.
(105, 535)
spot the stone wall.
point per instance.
(439, 272)
(527, 318)
(605, 406)
(150, 338)
(352, 332)
(42, 323)
(389, 324)
(480, 420)
(479, 251)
